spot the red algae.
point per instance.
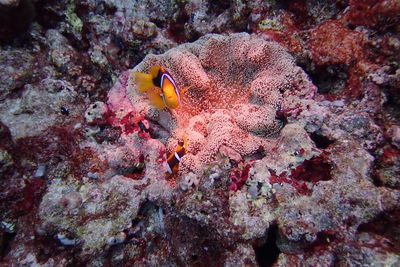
(373, 13)
(290, 34)
(335, 47)
(390, 155)
(313, 170)
(353, 88)
(332, 43)
(32, 193)
(130, 122)
(384, 225)
(298, 7)
(300, 186)
(111, 118)
(239, 178)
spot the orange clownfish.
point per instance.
(174, 158)
(160, 87)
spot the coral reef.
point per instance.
(291, 122)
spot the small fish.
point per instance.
(118, 42)
(160, 87)
(192, 17)
(174, 158)
(64, 111)
(138, 167)
(280, 114)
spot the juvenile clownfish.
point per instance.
(280, 114)
(160, 87)
(174, 158)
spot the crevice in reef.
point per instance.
(218, 7)
(330, 79)
(391, 108)
(375, 179)
(268, 253)
(385, 225)
(321, 141)
(6, 240)
(46, 15)
(15, 20)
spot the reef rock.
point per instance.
(80, 212)
(273, 173)
(41, 106)
(18, 70)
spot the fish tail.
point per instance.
(144, 81)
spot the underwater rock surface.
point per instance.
(291, 123)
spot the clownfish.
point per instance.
(280, 114)
(174, 158)
(160, 87)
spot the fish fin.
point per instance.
(155, 98)
(184, 90)
(154, 71)
(144, 81)
(175, 169)
(169, 158)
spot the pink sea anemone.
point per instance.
(237, 80)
